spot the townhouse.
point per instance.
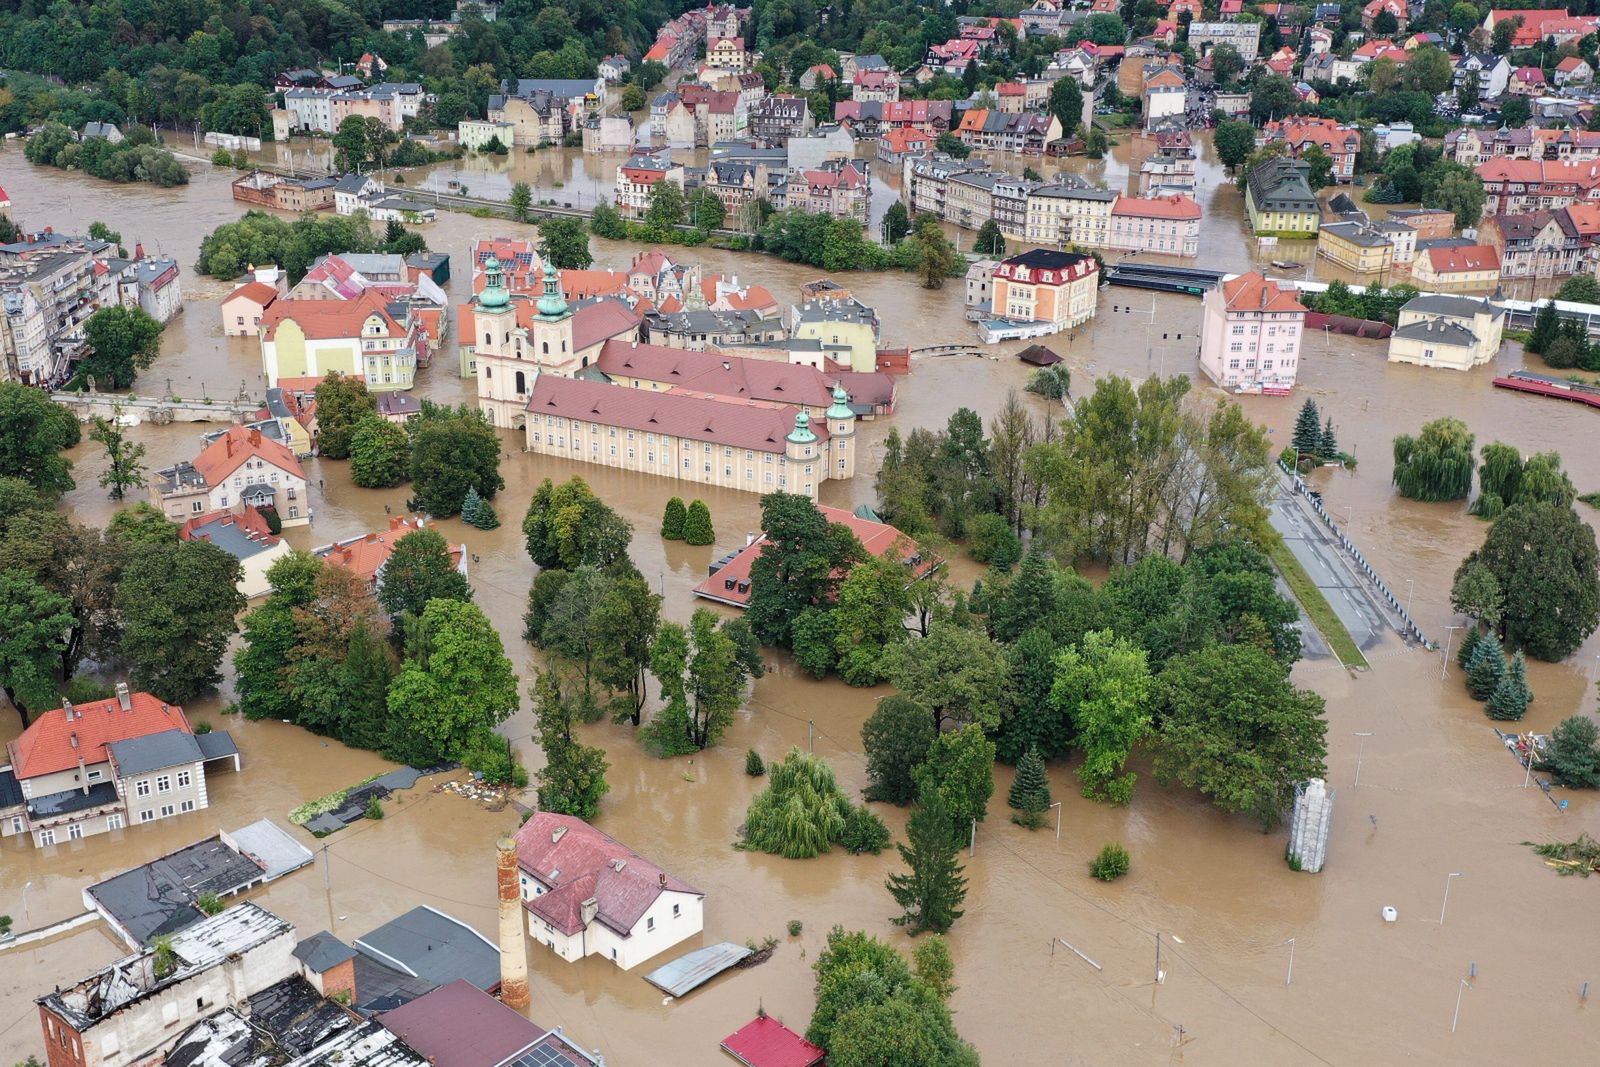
(1165, 225)
(1340, 143)
(240, 468)
(1514, 186)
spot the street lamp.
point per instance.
(1465, 985)
(1411, 587)
(1057, 806)
(1288, 978)
(1450, 633)
(1361, 748)
(1446, 902)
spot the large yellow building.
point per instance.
(1455, 332)
(1356, 247)
(1279, 200)
(357, 337)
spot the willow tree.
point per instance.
(1437, 464)
(1498, 476)
(801, 812)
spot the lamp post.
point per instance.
(1411, 587)
(1361, 748)
(1288, 978)
(1446, 902)
(1465, 985)
(1450, 633)
(1057, 806)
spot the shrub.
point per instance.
(374, 808)
(202, 728)
(208, 903)
(795, 926)
(672, 520)
(753, 766)
(697, 525)
(864, 832)
(1111, 864)
(801, 813)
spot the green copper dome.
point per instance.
(840, 408)
(494, 295)
(801, 434)
(551, 305)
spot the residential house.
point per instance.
(1170, 169)
(366, 336)
(1449, 270)
(1395, 8)
(727, 53)
(1009, 206)
(1430, 223)
(479, 135)
(1066, 213)
(1484, 72)
(1250, 334)
(293, 415)
(1527, 81)
(1513, 186)
(1355, 246)
(1341, 144)
(846, 329)
(537, 118)
(639, 175)
(1533, 26)
(1045, 286)
(1455, 332)
(50, 284)
(1165, 225)
(1243, 37)
(1279, 200)
(777, 118)
(839, 189)
(246, 537)
(999, 131)
(391, 103)
(614, 69)
(700, 329)
(244, 308)
(104, 765)
(285, 194)
(365, 556)
(1573, 70)
(1540, 244)
(979, 290)
(608, 133)
(459, 1025)
(1392, 135)
(1165, 96)
(896, 146)
(106, 131)
(240, 468)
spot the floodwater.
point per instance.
(1437, 793)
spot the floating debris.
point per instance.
(1580, 857)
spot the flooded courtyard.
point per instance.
(1437, 793)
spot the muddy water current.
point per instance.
(1437, 793)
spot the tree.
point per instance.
(1320, 175)
(1486, 668)
(896, 223)
(649, 74)
(896, 737)
(703, 669)
(270, 636)
(1103, 686)
(1437, 465)
(520, 200)
(1510, 699)
(1226, 64)
(478, 512)
(1543, 558)
(799, 566)
(800, 813)
(1066, 104)
(124, 466)
(1546, 324)
(1233, 726)
(704, 210)
(178, 602)
(960, 768)
(697, 525)
(633, 98)
(380, 453)
(1234, 142)
(33, 625)
(672, 520)
(605, 221)
(573, 779)
(993, 541)
(565, 242)
(625, 623)
(936, 256)
(122, 341)
(666, 207)
(1515, 111)
(342, 402)
(1328, 444)
(340, 666)
(814, 641)
(453, 452)
(33, 432)
(1580, 289)
(1573, 756)
(1030, 791)
(990, 241)
(1476, 592)
(932, 890)
(1272, 97)
(870, 617)
(956, 673)
(950, 145)
(872, 1011)
(420, 569)
(567, 526)
(931, 963)
(1460, 191)
(350, 144)
(458, 686)
(1307, 435)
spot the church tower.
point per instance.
(551, 335)
(504, 376)
(841, 435)
(800, 448)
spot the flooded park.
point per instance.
(1438, 794)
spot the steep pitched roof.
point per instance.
(579, 862)
(54, 742)
(1254, 293)
(1463, 260)
(328, 319)
(255, 292)
(232, 448)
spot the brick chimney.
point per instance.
(513, 934)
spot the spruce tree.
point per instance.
(1487, 667)
(1030, 791)
(672, 520)
(484, 517)
(1510, 699)
(932, 890)
(1307, 437)
(1469, 644)
(1328, 444)
(471, 507)
(697, 525)
(1546, 327)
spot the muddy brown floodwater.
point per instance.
(1437, 795)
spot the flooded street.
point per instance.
(1438, 794)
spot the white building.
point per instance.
(309, 109)
(1250, 335)
(240, 468)
(588, 894)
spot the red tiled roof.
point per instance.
(582, 284)
(1566, 66)
(327, 319)
(578, 862)
(255, 292)
(225, 455)
(748, 424)
(599, 322)
(1252, 292)
(765, 1042)
(708, 372)
(249, 522)
(47, 746)
(1463, 260)
(366, 555)
(904, 139)
(1156, 207)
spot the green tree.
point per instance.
(261, 662)
(1543, 559)
(870, 617)
(633, 98)
(1579, 289)
(567, 526)
(1510, 699)
(459, 685)
(896, 223)
(814, 641)
(342, 403)
(33, 625)
(932, 889)
(122, 341)
(960, 768)
(572, 781)
(800, 813)
(936, 256)
(1546, 327)
(950, 145)
(704, 210)
(1437, 465)
(799, 566)
(1460, 191)
(520, 200)
(990, 241)
(124, 460)
(604, 221)
(666, 207)
(33, 432)
(350, 144)
(1103, 685)
(1030, 791)
(380, 453)
(453, 452)
(1066, 104)
(1573, 756)
(1515, 111)
(956, 673)
(1235, 728)
(697, 525)
(1486, 668)
(625, 622)
(478, 512)
(672, 520)
(1272, 97)
(1320, 175)
(1029, 720)
(419, 570)
(178, 603)
(872, 1011)
(1476, 592)
(1226, 64)
(703, 671)
(896, 738)
(565, 242)
(1307, 429)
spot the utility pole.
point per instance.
(973, 849)
(1159, 975)
(1288, 979)
(327, 883)
(1446, 903)
(1360, 750)
(1450, 633)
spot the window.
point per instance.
(167, 810)
(675, 911)
(47, 837)
(142, 787)
(16, 824)
(649, 924)
(185, 779)
(163, 783)
(187, 805)
(294, 512)
(197, 507)
(114, 821)
(75, 832)
(95, 776)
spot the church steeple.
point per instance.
(494, 295)
(551, 305)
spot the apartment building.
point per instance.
(1454, 332)
(239, 468)
(50, 284)
(1250, 333)
(1044, 286)
(1165, 225)
(1070, 213)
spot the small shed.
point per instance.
(1038, 356)
(765, 1042)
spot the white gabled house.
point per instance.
(588, 894)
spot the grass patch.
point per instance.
(1592, 499)
(312, 808)
(1316, 606)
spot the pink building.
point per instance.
(1165, 225)
(1250, 335)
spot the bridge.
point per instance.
(1192, 281)
(159, 410)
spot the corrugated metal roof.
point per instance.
(688, 973)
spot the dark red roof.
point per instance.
(578, 862)
(765, 1042)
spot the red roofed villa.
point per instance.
(366, 555)
(240, 468)
(588, 894)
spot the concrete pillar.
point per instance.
(513, 934)
(1310, 823)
